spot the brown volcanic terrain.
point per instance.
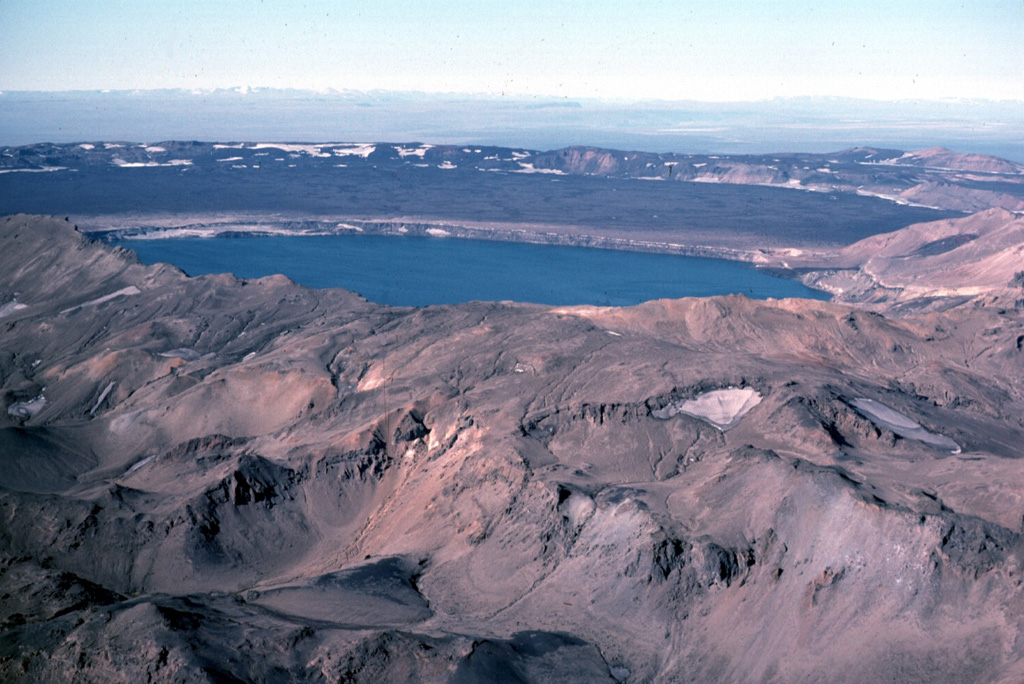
(210, 479)
(928, 265)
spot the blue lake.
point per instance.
(416, 271)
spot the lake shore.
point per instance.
(431, 266)
(728, 246)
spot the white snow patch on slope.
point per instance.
(412, 151)
(42, 170)
(312, 150)
(10, 307)
(361, 150)
(155, 148)
(437, 232)
(117, 161)
(226, 159)
(139, 464)
(527, 167)
(103, 395)
(884, 416)
(181, 353)
(27, 409)
(123, 292)
(723, 408)
(87, 146)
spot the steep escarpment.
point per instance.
(933, 177)
(216, 479)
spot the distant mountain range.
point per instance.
(801, 124)
(934, 177)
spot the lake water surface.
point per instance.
(415, 271)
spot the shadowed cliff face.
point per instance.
(211, 479)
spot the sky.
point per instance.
(723, 50)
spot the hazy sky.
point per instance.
(678, 49)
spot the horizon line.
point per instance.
(246, 90)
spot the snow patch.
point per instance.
(87, 146)
(619, 673)
(10, 307)
(437, 232)
(26, 409)
(446, 165)
(181, 353)
(528, 167)
(361, 150)
(412, 151)
(117, 161)
(140, 464)
(103, 395)
(723, 408)
(42, 170)
(312, 150)
(123, 292)
(155, 148)
(889, 418)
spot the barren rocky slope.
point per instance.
(932, 265)
(210, 479)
